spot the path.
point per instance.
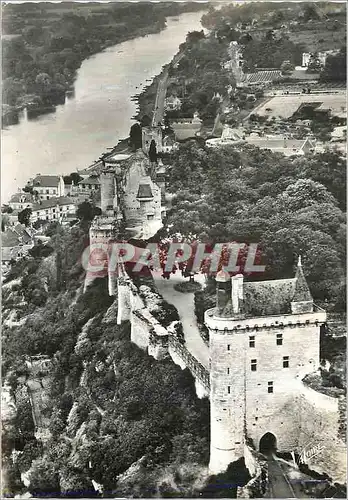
(286, 481)
(160, 100)
(184, 303)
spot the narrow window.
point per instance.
(279, 339)
(253, 364)
(252, 341)
(229, 389)
(285, 361)
(228, 371)
(228, 347)
(270, 387)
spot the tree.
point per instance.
(86, 211)
(6, 209)
(314, 64)
(310, 12)
(135, 136)
(145, 121)
(43, 80)
(24, 216)
(335, 67)
(153, 152)
(287, 67)
(194, 37)
(28, 189)
(74, 177)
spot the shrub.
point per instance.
(187, 287)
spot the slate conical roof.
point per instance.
(302, 292)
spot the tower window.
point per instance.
(279, 339)
(285, 361)
(252, 341)
(253, 365)
(228, 371)
(229, 389)
(270, 387)
(228, 347)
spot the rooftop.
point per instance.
(46, 180)
(262, 76)
(93, 179)
(119, 157)
(18, 197)
(53, 202)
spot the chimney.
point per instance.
(223, 290)
(237, 293)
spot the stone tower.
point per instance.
(264, 337)
(107, 190)
(149, 134)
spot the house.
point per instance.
(168, 144)
(15, 243)
(173, 103)
(279, 144)
(321, 56)
(89, 184)
(229, 136)
(48, 186)
(54, 209)
(21, 200)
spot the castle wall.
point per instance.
(227, 399)
(239, 396)
(319, 427)
(140, 330)
(124, 305)
(107, 190)
(272, 412)
(149, 134)
(138, 174)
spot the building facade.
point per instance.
(264, 338)
(20, 201)
(54, 209)
(48, 186)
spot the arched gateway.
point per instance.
(268, 444)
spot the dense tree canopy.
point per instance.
(290, 206)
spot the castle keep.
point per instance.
(264, 338)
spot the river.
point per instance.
(99, 114)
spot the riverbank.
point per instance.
(40, 62)
(41, 103)
(98, 114)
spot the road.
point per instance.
(158, 113)
(286, 481)
(184, 303)
(279, 485)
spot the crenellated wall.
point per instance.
(148, 334)
(298, 416)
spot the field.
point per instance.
(319, 37)
(285, 106)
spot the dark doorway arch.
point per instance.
(268, 444)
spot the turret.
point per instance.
(223, 291)
(302, 300)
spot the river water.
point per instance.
(99, 114)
